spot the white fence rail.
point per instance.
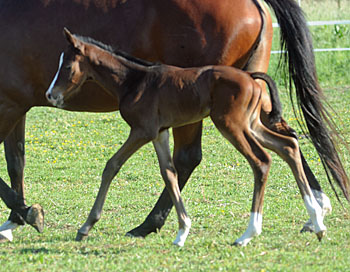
(321, 23)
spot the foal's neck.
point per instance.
(113, 72)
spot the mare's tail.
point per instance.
(276, 112)
(297, 44)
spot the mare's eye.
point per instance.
(68, 67)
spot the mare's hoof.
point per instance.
(80, 236)
(134, 235)
(142, 231)
(35, 217)
(321, 234)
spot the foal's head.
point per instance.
(73, 71)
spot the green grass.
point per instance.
(66, 153)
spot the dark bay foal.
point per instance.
(153, 98)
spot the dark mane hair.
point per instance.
(116, 51)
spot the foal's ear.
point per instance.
(72, 39)
(68, 35)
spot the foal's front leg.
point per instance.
(167, 169)
(136, 140)
(186, 156)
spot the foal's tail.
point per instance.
(276, 112)
(297, 44)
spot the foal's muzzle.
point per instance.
(56, 101)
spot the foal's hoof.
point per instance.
(239, 244)
(6, 236)
(35, 217)
(321, 234)
(80, 236)
(306, 229)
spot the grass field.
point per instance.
(66, 153)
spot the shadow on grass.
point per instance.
(34, 250)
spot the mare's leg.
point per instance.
(288, 149)
(14, 198)
(168, 171)
(33, 215)
(135, 140)
(187, 155)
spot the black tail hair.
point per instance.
(297, 44)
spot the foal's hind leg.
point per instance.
(135, 140)
(260, 162)
(288, 149)
(167, 169)
(284, 129)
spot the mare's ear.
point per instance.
(73, 40)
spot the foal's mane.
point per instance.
(116, 51)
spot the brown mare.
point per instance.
(154, 97)
(183, 33)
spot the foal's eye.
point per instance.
(68, 67)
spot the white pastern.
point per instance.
(315, 212)
(182, 234)
(254, 229)
(56, 76)
(6, 231)
(323, 201)
(325, 205)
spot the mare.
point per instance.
(155, 97)
(184, 33)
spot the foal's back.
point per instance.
(179, 96)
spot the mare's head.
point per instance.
(73, 71)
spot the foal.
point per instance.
(152, 98)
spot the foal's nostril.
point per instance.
(49, 96)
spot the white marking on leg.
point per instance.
(254, 229)
(6, 230)
(323, 201)
(183, 233)
(325, 205)
(49, 90)
(315, 212)
(308, 226)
